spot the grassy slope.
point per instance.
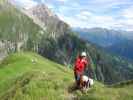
(101, 92)
(22, 79)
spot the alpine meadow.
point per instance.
(38, 51)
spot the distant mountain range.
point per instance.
(116, 41)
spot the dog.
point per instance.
(85, 82)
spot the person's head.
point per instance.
(83, 54)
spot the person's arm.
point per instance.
(77, 64)
(86, 62)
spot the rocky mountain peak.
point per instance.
(42, 9)
(46, 19)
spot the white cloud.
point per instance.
(88, 20)
(26, 3)
(85, 13)
(127, 21)
(50, 6)
(128, 13)
(93, 13)
(72, 21)
(62, 0)
(109, 3)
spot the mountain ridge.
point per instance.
(46, 19)
(111, 40)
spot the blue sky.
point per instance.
(112, 14)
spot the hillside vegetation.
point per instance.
(19, 32)
(101, 92)
(28, 76)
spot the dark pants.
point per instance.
(77, 78)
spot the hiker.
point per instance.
(79, 67)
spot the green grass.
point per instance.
(23, 79)
(101, 92)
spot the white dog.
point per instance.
(86, 82)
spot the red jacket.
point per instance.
(80, 65)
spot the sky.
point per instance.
(111, 14)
